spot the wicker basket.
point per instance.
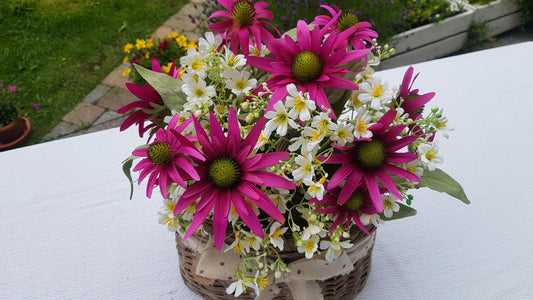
(339, 287)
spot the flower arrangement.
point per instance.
(173, 46)
(254, 139)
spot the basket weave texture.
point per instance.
(346, 286)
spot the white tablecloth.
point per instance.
(68, 230)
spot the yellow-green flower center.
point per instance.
(243, 13)
(370, 154)
(307, 67)
(224, 172)
(347, 20)
(159, 154)
(355, 201)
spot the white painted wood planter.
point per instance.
(500, 15)
(430, 41)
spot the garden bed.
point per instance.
(500, 15)
(430, 41)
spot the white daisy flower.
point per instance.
(310, 231)
(414, 168)
(166, 214)
(390, 205)
(279, 119)
(361, 126)
(276, 235)
(309, 246)
(297, 142)
(253, 50)
(321, 122)
(429, 155)
(301, 106)
(195, 62)
(232, 61)
(251, 240)
(236, 287)
(306, 171)
(316, 190)
(210, 43)
(315, 137)
(342, 133)
(371, 219)
(197, 91)
(334, 248)
(238, 245)
(367, 74)
(374, 92)
(239, 82)
(263, 139)
(278, 198)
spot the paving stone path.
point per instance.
(98, 110)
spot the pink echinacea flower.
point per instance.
(312, 63)
(413, 102)
(167, 160)
(370, 159)
(229, 175)
(346, 20)
(242, 19)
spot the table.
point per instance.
(68, 230)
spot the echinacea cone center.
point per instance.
(347, 20)
(355, 201)
(370, 154)
(243, 13)
(159, 154)
(224, 172)
(307, 67)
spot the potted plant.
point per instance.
(14, 128)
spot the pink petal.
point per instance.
(401, 172)
(400, 158)
(341, 174)
(349, 187)
(373, 190)
(247, 214)
(266, 160)
(199, 218)
(266, 205)
(273, 180)
(220, 219)
(253, 135)
(388, 183)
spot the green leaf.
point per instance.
(439, 181)
(168, 87)
(126, 168)
(404, 212)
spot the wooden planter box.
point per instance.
(500, 15)
(430, 41)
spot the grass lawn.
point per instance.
(57, 51)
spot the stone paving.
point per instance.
(98, 110)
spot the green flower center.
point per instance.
(355, 201)
(224, 172)
(307, 67)
(243, 13)
(370, 154)
(159, 154)
(347, 20)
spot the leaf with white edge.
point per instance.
(439, 181)
(404, 212)
(168, 87)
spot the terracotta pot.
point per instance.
(14, 134)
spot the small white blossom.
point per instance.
(317, 189)
(374, 92)
(210, 43)
(251, 240)
(361, 126)
(306, 170)
(390, 205)
(276, 235)
(279, 119)
(310, 231)
(232, 61)
(197, 92)
(371, 219)
(334, 248)
(279, 199)
(237, 287)
(309, 246)
(239, 82)
(414, 168)
(301, 106)
(342, 134)
(254, 51)
(195, 62)
(429, 155)
(321, 122)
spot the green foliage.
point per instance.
(527, 13)
(8, 114)
(439, 181)
(480, 2)
(60, 50)
(168, 87)
(478, 37)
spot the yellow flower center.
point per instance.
(243, 13)
(355, 201)
(370, 154)
(347, 20)
(307, 67)
(361, 125)
(310, 246)
(224, 172)
(431, 155)
(197, 64)
(159, 154)
(378, 91)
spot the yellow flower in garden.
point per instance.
(166, 69)
(147, 55)
(150, 43)
(128, 47)
(126, 59)
(126, 72)
(140, 44)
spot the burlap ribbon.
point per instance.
(302, 279)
